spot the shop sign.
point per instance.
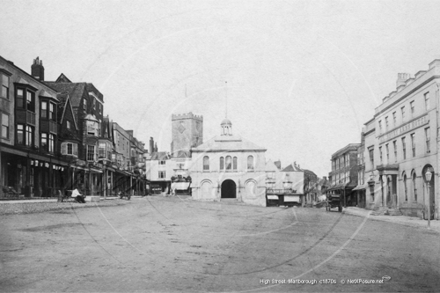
(404, 129)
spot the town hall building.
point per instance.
(228, 167)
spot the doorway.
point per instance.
(229, 189)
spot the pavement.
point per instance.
(27, 206)
(51, 200)
(402, 220)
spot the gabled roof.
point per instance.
(271, 167)
(62, 78)
(65, 102)
(227, 143)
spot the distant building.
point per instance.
(310, 187)
(360, 191)
(159, 170)
(228, 166)
(286, 186)
(344, 174)
(187, 133)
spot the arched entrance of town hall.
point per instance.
(229, 189)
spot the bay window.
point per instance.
(43, 141)
(30, 101)
(20, 134)
(90, 153)
(4, 91)
(51, 111)
(19, 98)
(43, 113)
(29, 135)
(5, 125)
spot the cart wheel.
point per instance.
(339, 208)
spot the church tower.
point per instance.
(187, 132)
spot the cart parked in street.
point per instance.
(333, 201)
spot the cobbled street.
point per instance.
(163, 244)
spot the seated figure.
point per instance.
(78, 196)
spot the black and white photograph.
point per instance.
(220, 146)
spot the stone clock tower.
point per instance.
(187, 133)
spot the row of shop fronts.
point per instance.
(54, 137)
(30, 175)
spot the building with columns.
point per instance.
(401, 145)
(228, 167)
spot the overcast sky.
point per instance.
(302, 76)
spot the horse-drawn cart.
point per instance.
(333, 201)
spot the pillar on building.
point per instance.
(27, 187)
(2, 173)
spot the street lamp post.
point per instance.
(428, 176)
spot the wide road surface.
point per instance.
(177, 245)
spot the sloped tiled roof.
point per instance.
(74, 90)
(292, 168)
(181, 154)
(228, 143)
(91, 88)
(160, 156)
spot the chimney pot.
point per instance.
(402, 78)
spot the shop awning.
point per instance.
(342, 186)
(361, 187)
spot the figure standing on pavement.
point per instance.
(78, 196)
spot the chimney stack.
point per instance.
(37, 69)
(402, 78)
(151, 145)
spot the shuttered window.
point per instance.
(69, 149)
